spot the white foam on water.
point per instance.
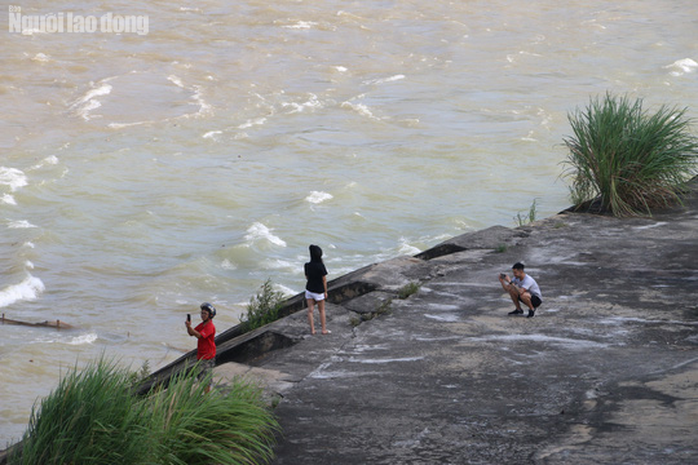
(317, 197)
(302, 25)
(512, 57)
(27, 290)
(407, 249)
(176, 81)
(278, 264)
(88, 102)
(286, 291)
(212, 134)
(50, 160)
(13, 178)
(259, 231)
(204, 107)
(252, 122)
(681, 67)
(41, 58)
(228, 265)
(312, 103)
(397, 77)
(84, 112)
(88, 338)
(529, 137)
(341, 69)
(32, 31)
(20, 224)
(361, 109)
(8, 199)
(125, 125)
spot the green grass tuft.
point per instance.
(90, 418)
(522, 220)
(94, 417)
(408, 289)
(626, 159)
(192, 427)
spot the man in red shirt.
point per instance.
(205, 333)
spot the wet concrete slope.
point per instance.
(606, 372)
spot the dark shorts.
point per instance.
(535, 301)
(205, 367)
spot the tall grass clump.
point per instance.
(90, 418)
(227, 427)
(263, 307)
(95, 417)
(627, 160)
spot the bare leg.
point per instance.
(321, 308)
(311, 309)
(526, 298)
(514, 294)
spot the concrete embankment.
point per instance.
(606, 371)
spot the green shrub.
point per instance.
(94, 417)
(263, 308)
(626, 159)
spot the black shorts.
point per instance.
(205, 367)
(535, 300)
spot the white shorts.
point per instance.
(315, 296)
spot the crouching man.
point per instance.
(522, 289)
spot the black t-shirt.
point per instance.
(314, 271)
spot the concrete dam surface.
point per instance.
(606, 371)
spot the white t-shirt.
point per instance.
(529, 284)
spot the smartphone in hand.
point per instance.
(189, 317)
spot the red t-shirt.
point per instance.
(206, 345)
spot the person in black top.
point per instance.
(316, 287)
